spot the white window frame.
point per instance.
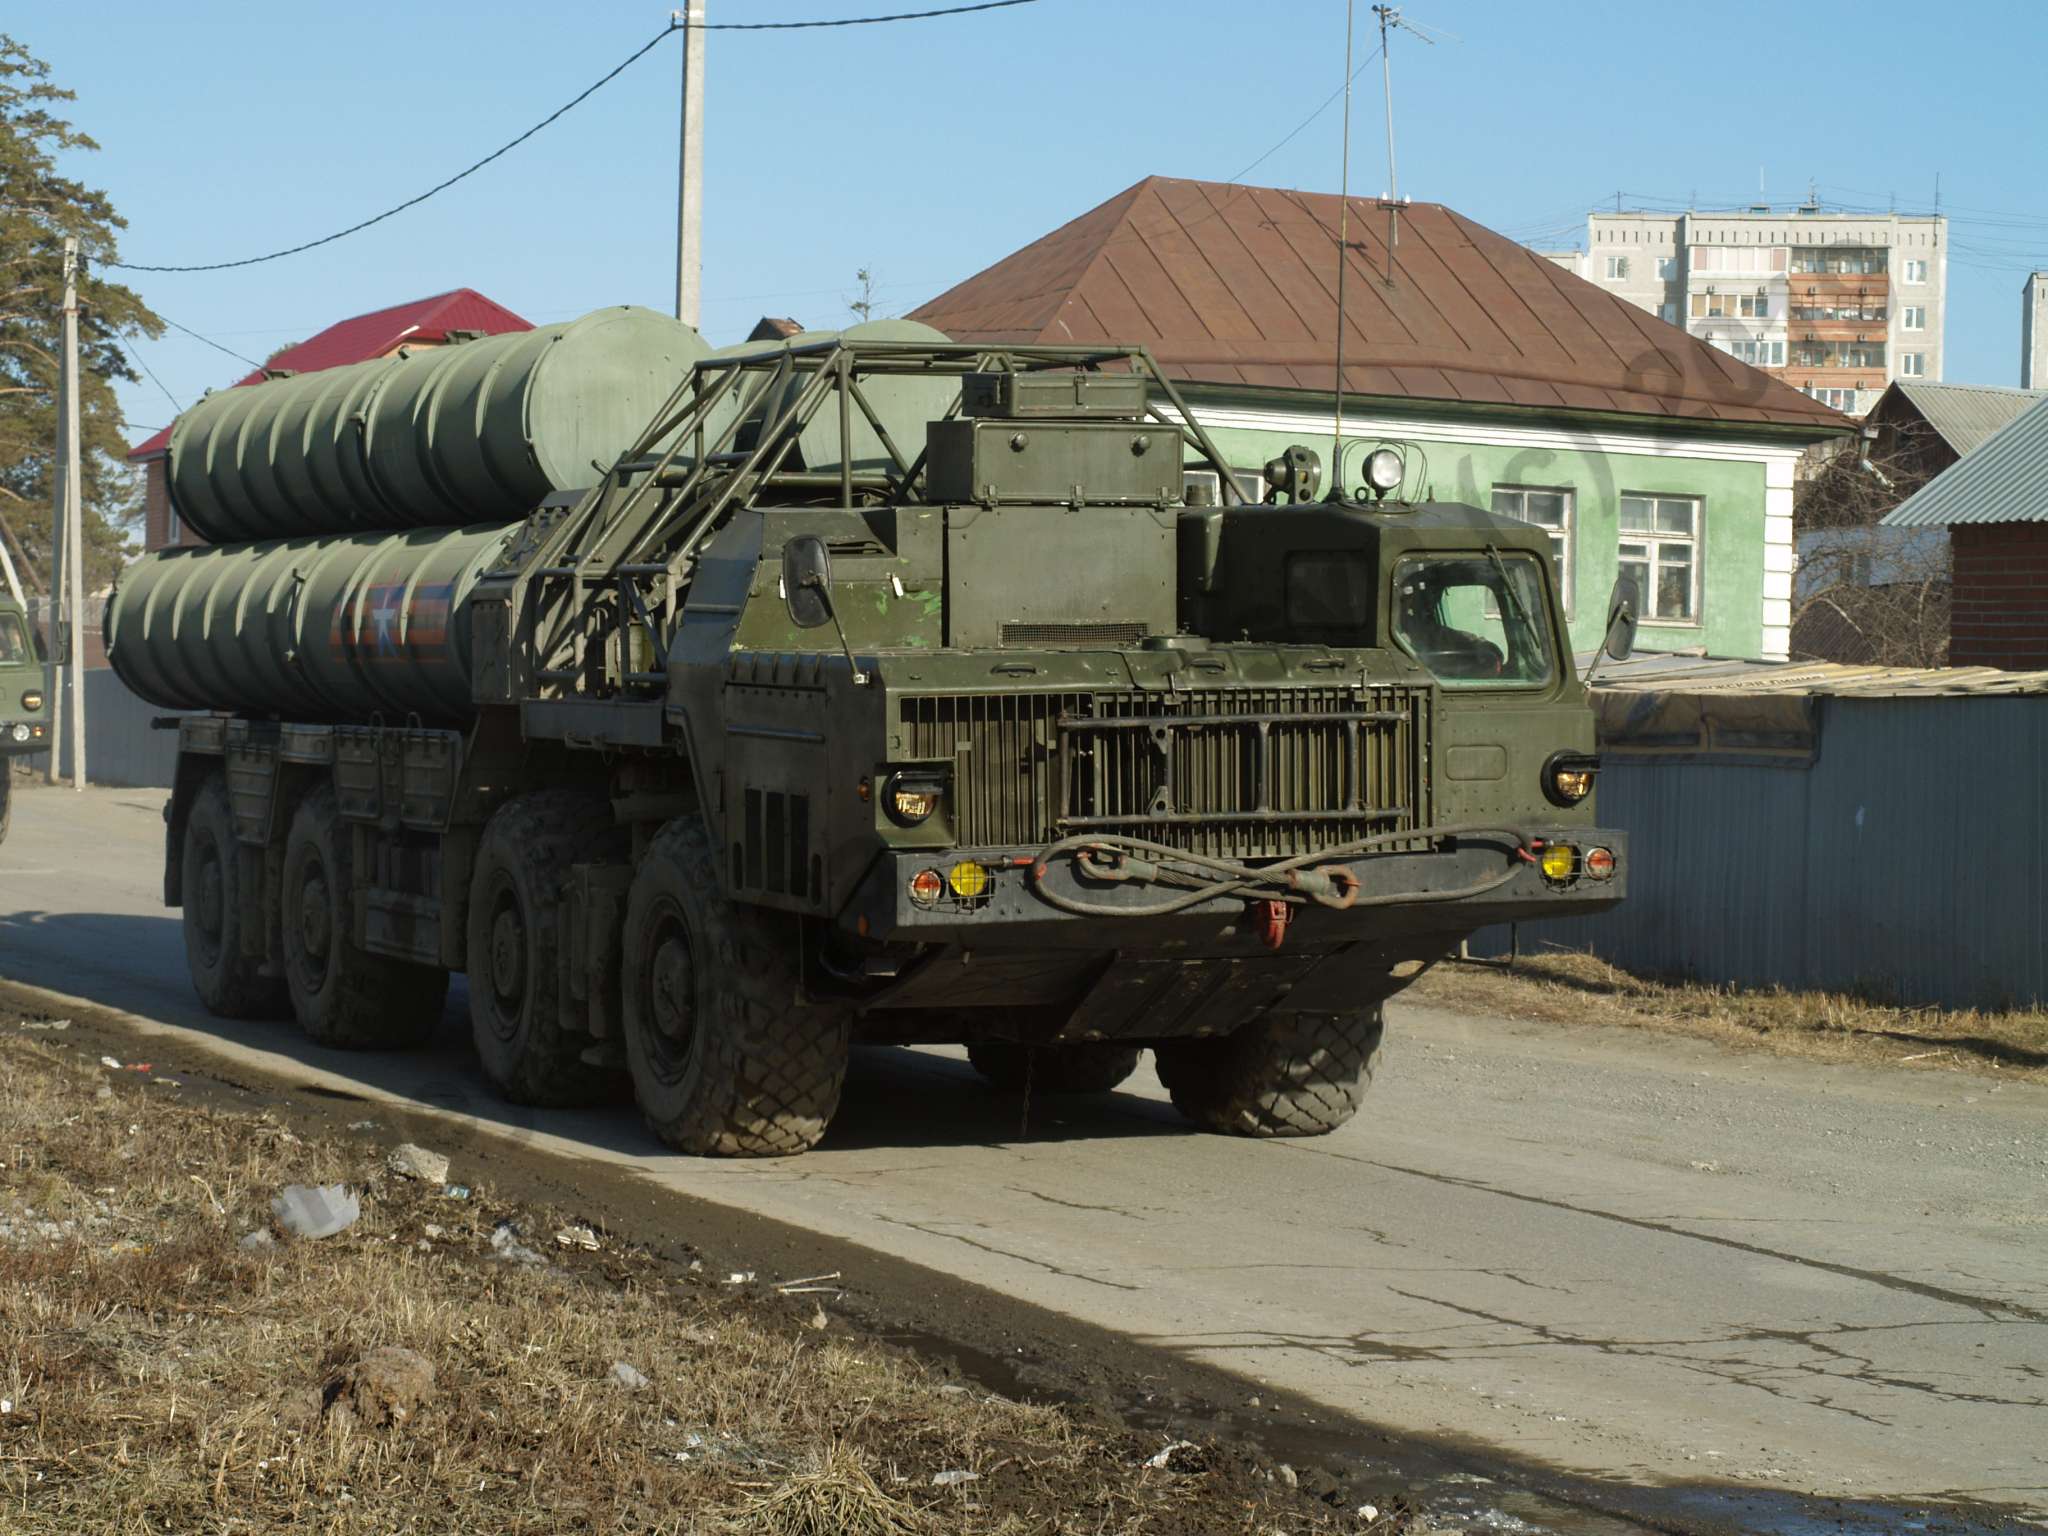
(1667, 268)
(1913, 317)
(1912, 365)
(1656, 549)
(1251, 483)
(1617, 269)
(1562, 537)
(1916, 271)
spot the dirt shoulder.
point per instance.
(1571, 988)
(459, 1359)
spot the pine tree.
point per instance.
(38, 208)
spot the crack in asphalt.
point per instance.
(1075, 1205)
(1021, 1258)
(1990, 1309)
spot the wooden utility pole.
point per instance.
(690, 192)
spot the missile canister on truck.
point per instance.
(480, 431)
(874, 687)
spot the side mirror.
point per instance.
(1622, 607)
(807, 581)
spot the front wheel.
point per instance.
(728, 1057)
(1283, 1074)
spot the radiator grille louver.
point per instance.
(1239, 773)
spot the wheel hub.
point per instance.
(316, 917)
(508, 956)
(670, 986)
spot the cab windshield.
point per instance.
(1476, 621)
(14, 648)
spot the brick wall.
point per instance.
(156, 503)
(1999, 613)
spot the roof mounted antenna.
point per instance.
(1343, 261)
(1391, 20)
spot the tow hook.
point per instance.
(1334, 885)
(1274, 918)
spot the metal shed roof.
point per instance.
(1966, 415)
(2004, 481)
(1236, 285)
(1719, 675)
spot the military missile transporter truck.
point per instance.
(24, 712)
(711, 712)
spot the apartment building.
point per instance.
(2034, 332)
(1838, 305)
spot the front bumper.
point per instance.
(1410, 892)
(18, 736)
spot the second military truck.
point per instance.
(712, 712)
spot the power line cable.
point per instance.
(576, 101)
(159, 383)
(231, 352)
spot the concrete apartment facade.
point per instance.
(2034, 332)
(1838, 305)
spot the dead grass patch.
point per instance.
(157, 1374)
(1565, 986)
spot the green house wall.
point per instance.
(1739, 485)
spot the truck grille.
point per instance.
(1238, 773)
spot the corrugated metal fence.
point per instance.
(120, 746)
(1909, 857)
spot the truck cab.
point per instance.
(24, 710)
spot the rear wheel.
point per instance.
(728, 1057)
(527, 1048)
(229, 982)
(1083, 1066)
(344, 995)
(1283, 1074)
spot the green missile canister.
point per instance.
(477, 431)
(342, 627)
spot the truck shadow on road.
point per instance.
(895, 1098)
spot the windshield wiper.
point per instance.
(1507, 586)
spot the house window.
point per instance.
(1916, 272)
(1912, 365)
(1913, 318)
(1200, 487)
(1839, 399)
(1548, 507)
(1667, 268)
(1759, 353)
(1617, 268)
(1668, 314)
(1660, 549)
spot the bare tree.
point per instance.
(1863, 593)
(864, 303)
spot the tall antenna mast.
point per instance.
(1391, 20)
(1343, 260)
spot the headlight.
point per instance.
(1568, 777)
(1384, 470)
(912, 798)
(1559, 862)
(21, 732)
(32, 700)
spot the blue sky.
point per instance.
(926, 150)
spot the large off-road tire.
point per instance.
(1283, 1074)
(1081, 1066)
(728, 1058)
(230, 983)
(344, 995)
(526, 1047)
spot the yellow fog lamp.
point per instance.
(913, 797)
(32, 700)
(1568, 777)
(1559, 862)
(968, 879)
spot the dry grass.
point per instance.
(158, 1376)
(1568, 987)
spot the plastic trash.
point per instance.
(306, 1210)
(627, 1377)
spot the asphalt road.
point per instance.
(1619, 1255)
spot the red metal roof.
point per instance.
(363, 337)
(1237, 285)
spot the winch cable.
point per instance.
(1222, 878)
